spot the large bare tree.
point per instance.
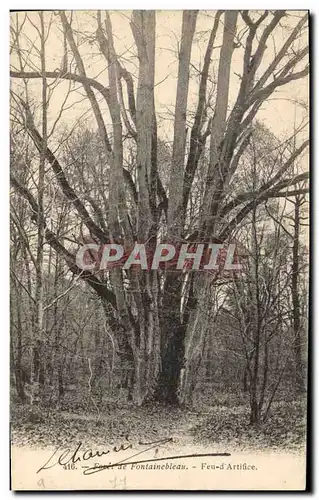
(160, 313)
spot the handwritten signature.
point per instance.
(80, 454)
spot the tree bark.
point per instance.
(297, 341)
(175, 215)
(172, 342)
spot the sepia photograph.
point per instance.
(159, 249)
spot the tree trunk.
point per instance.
(175, 220)
(255, 326)
(297, 342)
(172, 341)
(195, 338)
(171, 363)
(37, 357)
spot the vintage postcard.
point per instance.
(159, 239)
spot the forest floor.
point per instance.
(226, 423)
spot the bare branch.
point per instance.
(53, 241)
(94, 103)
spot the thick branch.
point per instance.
(264, 93)
(282, 52)
(105, 49)
(249, 195)
(193, 157)
(65, 76)
(94, 103)
(118, 208)
(131, 185)
(179, 143)
(217, 168)
(143, 28)
(130, 92)
(259, 198)
(67, 190)
(53, 241)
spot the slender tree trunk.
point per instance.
(297, 342)
(37, 351)
(16, 360)
(255, 326)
